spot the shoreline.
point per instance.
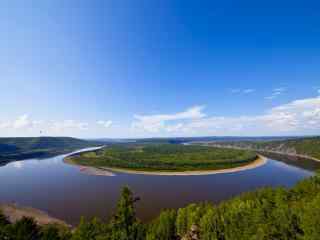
(109, 171)
(15, 212)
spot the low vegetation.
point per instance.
(165, 157)
(264, 214)
(12, 149)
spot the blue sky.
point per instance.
(159, 68)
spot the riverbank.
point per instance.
(108, 171)
(15, 212)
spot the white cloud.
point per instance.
(247, 91)
(295, 117)
(275, 93)
(4, 125)
(174, 128)
(67, 125)
(242, 91)
(155, 123)
(24, 126)
(105, 124)
(235, 90)
(22, 122)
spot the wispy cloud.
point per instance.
(4, 125)
(242, 91)
(235, 91)
(297, 116)
(105, 124)
(61, 126)
(249, 90)
(24, 122)
(275, 93)
(26, 126)
(21, 122)
(155, 123)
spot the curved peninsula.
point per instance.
(165, 159)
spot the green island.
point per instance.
(164, 157)
(264, 214)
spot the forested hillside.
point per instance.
(263, 214)
(301, 146)
(23, 148)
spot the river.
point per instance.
(66, 193)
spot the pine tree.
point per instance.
(4, 224)
(163, 228)
(124, 225)
(24, 229)
(88, 230)
(50, 232)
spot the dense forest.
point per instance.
(307, 146)
(265, 214)
(12, 149)
(165, 157)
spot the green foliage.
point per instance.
(3, 220)
(165, 157)
(189, 216)
(50, 232)
(310, 219)
(124, 224)
(24, 229)
(163, 228)
(4, 224)
(88, 230)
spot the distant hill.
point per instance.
(307, 146)
(39, 147)
(179, 140)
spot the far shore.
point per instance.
(108, 171)
(302, 156)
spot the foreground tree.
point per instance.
(24, 229)
(88, 230)
(50, 232)
(163, 228)
(55, 232)
(4, 224)
(311, 220)
(124, 225)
